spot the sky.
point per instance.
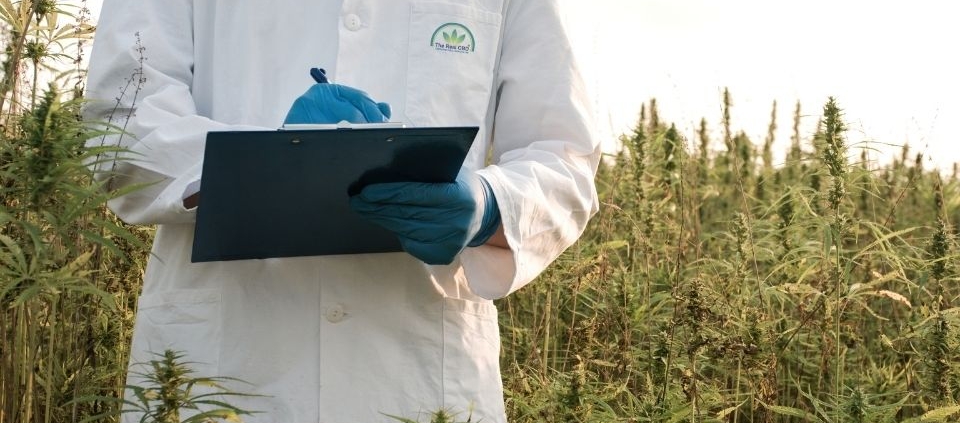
(891, 65)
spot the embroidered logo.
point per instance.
(453, 37)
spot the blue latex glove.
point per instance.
(332, 103)
(434, 221)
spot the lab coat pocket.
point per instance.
(186, 321)
(471, 359)
(452, 54)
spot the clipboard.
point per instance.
(285, 193)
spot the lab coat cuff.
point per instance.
(492, 272)
(181, 188)
(489, 270)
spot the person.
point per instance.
(350, 338)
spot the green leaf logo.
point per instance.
(453, 37)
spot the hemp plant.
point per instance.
(67, 265)
(169, 392)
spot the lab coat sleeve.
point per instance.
(545, 152)
(139, 79)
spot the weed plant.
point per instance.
(68, 268)
(717, 286)
(169, 392)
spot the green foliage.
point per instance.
(719, 288)
(68, 268)
(439, 416)
(169, 393)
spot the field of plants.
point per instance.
(715, 284)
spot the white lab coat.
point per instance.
(342, 339)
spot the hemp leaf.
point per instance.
(454, 38)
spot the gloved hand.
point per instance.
(434, 221)
(332, 103)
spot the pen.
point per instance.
(319, 75)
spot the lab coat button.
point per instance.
(335, 314)
(352, 22)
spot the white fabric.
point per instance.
(342, 339)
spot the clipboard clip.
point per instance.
(341, 125)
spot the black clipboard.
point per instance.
(285, 193)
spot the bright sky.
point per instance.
(891, 64)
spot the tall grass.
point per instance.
(68, 269)
(715, 286)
